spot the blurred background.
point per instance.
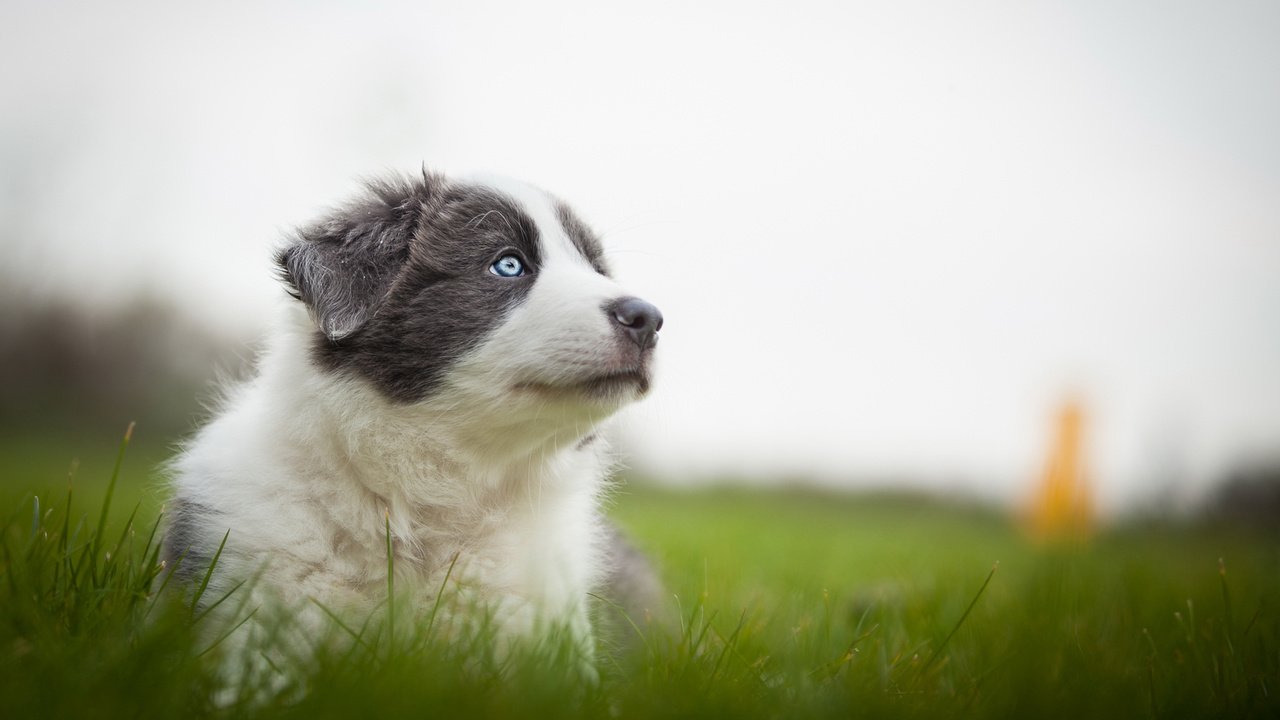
(892, 240)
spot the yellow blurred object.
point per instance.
(1063, 506)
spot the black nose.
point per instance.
(638, 319)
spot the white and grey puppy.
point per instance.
(447, 357)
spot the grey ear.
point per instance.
(344, 266)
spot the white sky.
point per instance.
(888, 238)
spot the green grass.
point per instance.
(786, 604)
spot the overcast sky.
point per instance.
(888, 238)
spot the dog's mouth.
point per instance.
(605, 385)
(609, 383)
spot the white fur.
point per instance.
(305, 466)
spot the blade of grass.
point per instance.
(626, 616)
(732, 646)
(1252, 621)
(938, 651)
(728, 645)
(8, 568)
(833, 666)
(64, 535)
(703, 634)
(128, 525)
(1228, 621)
(168, 576)
(150, 557)
(227, 634)
(208, 573)
(338, 621)
(66, 520)
(391, 581)
(217, 602)
(111, 488)
(112, 560)
(435, 607)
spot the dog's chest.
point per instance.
(537, 548)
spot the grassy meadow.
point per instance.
(786, 604)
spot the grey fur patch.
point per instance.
(632, 584)
(582, 236)
(185, 547)
(399, 280)
(342, 266)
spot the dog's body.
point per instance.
(448, 354)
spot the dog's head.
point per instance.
(491, 294)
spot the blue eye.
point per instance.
(507, 266)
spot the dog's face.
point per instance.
(491, 294)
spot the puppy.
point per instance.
(443, 367)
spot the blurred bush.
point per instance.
(1250, 496)
(65, 368)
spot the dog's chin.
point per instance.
(616, 386)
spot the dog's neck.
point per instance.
(437, 456)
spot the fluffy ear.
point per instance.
(343, 266)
